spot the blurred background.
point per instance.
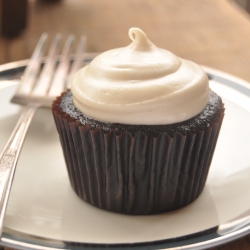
(215, 33)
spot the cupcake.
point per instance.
(138, 129)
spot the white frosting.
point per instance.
(140, 84)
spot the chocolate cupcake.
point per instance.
(138, 129)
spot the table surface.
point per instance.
(214, 33)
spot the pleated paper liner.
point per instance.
(139, 174)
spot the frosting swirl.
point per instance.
(140, 84)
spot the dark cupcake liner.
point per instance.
(139, 174)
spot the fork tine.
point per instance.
(58, 83)
(45, 78)
(33, 67)
(78, 60)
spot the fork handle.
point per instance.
(9, 158)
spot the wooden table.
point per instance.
(215, 33)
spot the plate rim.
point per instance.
(219, 233)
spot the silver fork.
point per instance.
(38, 88)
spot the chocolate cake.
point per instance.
(135, 169)
(202, 120)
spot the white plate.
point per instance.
(44, 211)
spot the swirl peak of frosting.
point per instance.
(140, 40)
(140, 84)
